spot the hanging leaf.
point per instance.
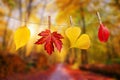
(50, 39)
(73, 33)
(82, 42)
(21, 36)
(103, 33)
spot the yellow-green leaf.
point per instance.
(73, 33)
(21, 36)
(83, 42)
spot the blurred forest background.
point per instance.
(15, 13)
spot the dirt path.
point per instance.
(59, 72)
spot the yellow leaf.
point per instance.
(83, 42)
(73, 33)
(77, 40)
(21, 36)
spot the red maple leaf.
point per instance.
(103, 33)
(50, 40)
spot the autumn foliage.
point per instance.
(50, 39)
(10, 64)
(103, 33)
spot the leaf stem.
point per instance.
(99, 18)
(71, 21)
(49, 22)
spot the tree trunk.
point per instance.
(22, 51)
(4, 44)
(109, 55)
(113, 52)
(84, 56)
